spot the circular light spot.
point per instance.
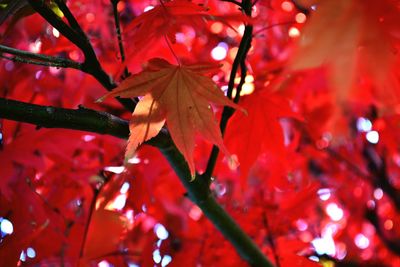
(324, 194)
(334, 212)
(6, 227)
(378, 194)
(103, 263)
(300, 18)
(247, 89)
(217, 27)
(160, 231)
(294, 32)
(219, 53)
(364, 125)
(249, 79)
(388, 224)
(156, 256)
(90, 17)
(31, 253)
(195, 213)
(301, 225)
(372, 137)
(166, 260)
(287, 6)
(361, 241)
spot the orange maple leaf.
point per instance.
(178, 94)
(100, 243)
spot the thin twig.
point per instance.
(46, 12)
(91, 64)
(33, 62)
(119, 35)
(271, 240)
(273, 25)
(393, 244)
(301, 8)
(233, 2)
(38, 59)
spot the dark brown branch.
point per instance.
(73, 23)
(91, 65)
(50, 117)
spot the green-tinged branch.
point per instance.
(103, 123)
(37, 59)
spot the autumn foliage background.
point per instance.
(311, 164)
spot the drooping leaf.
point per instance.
(105, 232)
(250, 135)
(181, 95)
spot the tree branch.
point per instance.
(380, 178)
(91, 65)
(227, 112)
(73, 23)
(51, 117)
(104, 123)
(37, 59)
(393, 244)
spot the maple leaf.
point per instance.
(166, 19)
(100, 242)
(249, 135)
(178, 94)
(343, 35)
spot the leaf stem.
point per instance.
(268, 27)
(172, 50)
(91, 211)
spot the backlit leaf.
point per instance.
(181, 95)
